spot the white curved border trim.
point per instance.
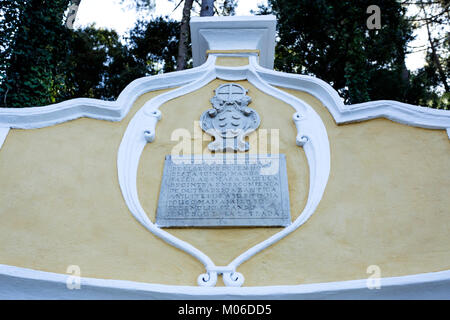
(393, 110)
(38, 117)
(21, 283)
(311, 135)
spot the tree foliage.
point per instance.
(154, 44)
(207, 8)
(98, 65)
(433, 17)
(330, 39)
(43, 62)
(227, 7)
(33, 51)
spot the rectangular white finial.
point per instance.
(234, 33)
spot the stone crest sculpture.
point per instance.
(230, 120)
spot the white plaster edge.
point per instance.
(38, 117)
(23, 283)
(400, 112)
(3, 134)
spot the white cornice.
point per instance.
(393, 110)
(21, 283)
(38, 117)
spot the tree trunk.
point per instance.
(207, 8)
(184, 35)
(436, 61)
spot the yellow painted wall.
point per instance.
(386, 202)
(232, 61)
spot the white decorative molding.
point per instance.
(21, 283)
(3, 134)
(311, 135)
(38, 117)
(393, 110)
(234, 33)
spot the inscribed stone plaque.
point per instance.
(224, 190)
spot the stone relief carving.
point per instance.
(230, 120)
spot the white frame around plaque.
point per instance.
(311, 135)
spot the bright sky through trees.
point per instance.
(112, 14)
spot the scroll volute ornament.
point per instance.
(230, 120)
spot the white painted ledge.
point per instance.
(45, 116)
(20, 283)
(400, 112)
(38, 117)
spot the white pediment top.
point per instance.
(234, 33)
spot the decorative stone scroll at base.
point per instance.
(224, 190)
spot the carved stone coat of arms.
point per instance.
(230, 120)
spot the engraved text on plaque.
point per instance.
(209, 191)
